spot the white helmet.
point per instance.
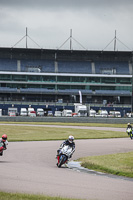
(71, 138)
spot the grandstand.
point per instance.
(45, 75)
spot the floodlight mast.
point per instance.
(115, 39)
(115, 42)
(26, 38)
(71, 39)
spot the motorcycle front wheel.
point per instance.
(62, 160)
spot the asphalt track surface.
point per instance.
(30, 167)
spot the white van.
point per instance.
(31, 112)
(114, 113)
(102, 113)
(92, 113)
(67, 113)
(12, 111)
(23, 112)
(0, 112)
(58, 114)
(40, 112)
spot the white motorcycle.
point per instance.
(64, 154)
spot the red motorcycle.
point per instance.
(1, 149)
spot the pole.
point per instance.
(115, 41)
(71, 39)
(26, 37)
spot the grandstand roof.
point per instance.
(55, 54)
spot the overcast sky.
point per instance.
(93, 24)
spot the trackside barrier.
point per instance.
(67, 119)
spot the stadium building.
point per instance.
(43, 75)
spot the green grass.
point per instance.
(32, 133)
(17, 196)
(120, 164)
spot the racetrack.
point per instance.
(30, 167)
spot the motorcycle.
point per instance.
(1, 149)
(64, 154)
(130, 133)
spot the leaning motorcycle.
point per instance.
(130, 132)
(131, 135)
(64, 154)
(1, 149)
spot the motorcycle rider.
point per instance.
(4, 142)
(70, 142)
(129, 126)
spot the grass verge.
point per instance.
(120, 164)
(32, 133)
(70, 124)
(17, 196)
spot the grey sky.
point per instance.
(93, 23)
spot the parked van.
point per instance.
(12, 112)
(114, 114)
(58, 114)
(40, 112)
(92, 113)
(67, 113)
(23, 112)
(31, 112)
(0, 112)
(102, 113)
(80, 109)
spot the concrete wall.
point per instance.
(67, 119)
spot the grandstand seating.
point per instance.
(112, 67)
(74, 67)
(7, 89)
(11, 65)
(36, 90)
(48, 66)
(8, 65)
(45, 90)
(112, 92)
(75, 91)
(44, 65)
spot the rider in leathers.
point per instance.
(70, 142)
(129, 126)
(4, 142)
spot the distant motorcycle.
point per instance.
(64, 154)
(1, 149)
(130, 133)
